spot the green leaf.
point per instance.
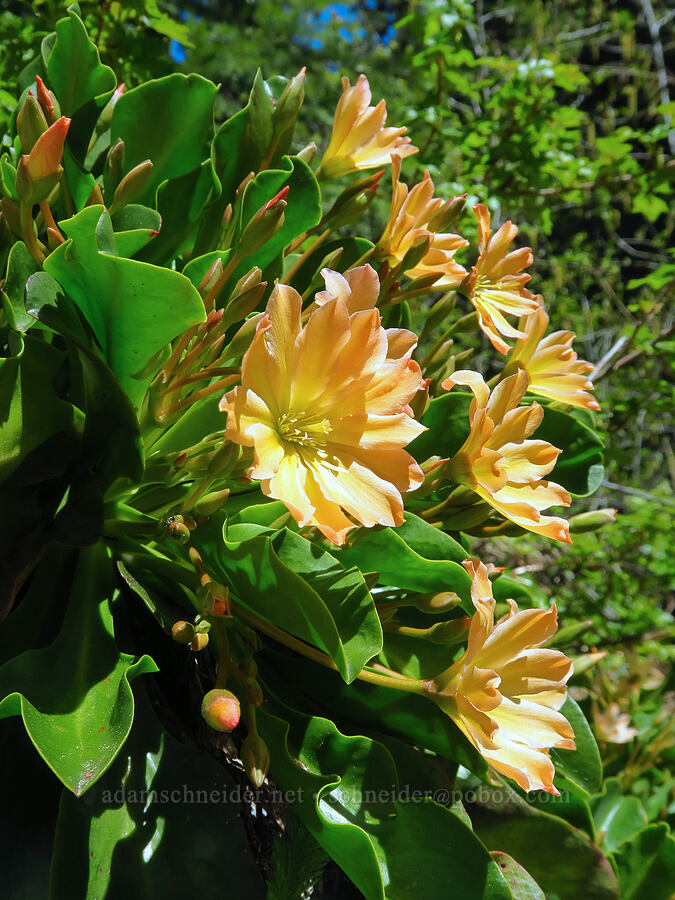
(383, 550)
(522, 884)
(582, 766)
(298, 586)
(74, 696)
(407, 716)
(20, 266)
(617, 816)
(74, 70)
(646, 864)
(447, 421)
(167, 120)
(580, 465)
(561, 859)
(347, 790)
(134, 308)
(134, 226)
(31, 410)
(162, 822)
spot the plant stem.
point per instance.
(322, 238)
(399, 683)
(27, 233)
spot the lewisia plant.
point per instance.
(250, 440)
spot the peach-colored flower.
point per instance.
(359, 139)
(496, 284)
(500, 464)
(325, 409)
(613, 726)
(505, 691)
(416, 214)
(551, 364)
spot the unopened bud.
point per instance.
(416, 252)
(212, 502)
(112, 170)
(307, 153)
(264, 224)
(593, 520)
(182, 632)
(132, 185)
(440, 602)
(96, 197)
(47, 101)
(177, 530)
(353, 201)
(44, 159)
(213, 273)
(449, 632)
(199, 642)
(30, 123)
(221, 710)
(288, 105)
(224, 459)
(105, 118)
(256, 758)
(447, 215)
(420, 400)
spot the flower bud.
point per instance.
(437, 603)
(288, 105)
(307, 153)
(416, 252)
(221, 710)
(593, 520)
(105, 118)
(199, 642)
(264, 224)
(30, 123)
(132, 185)
(44, 159)
(214, 598)
(212, 502)
(447, 215)
(182, 632)
(112, 170)
(256, 758)
(177, 529)
(47, 101)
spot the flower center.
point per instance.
(303, 429)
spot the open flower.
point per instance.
(551, 364)
(325, 408)
(500, 464)
(359, 139)
(505, 691)
(496, 284)
(416, 214)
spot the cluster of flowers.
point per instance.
(326, 405)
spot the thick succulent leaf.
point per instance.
(134, 226)
(32, 411)
(168, 121)
(646, 864)
(347, 789)
(617, 816)
(162, 822)
(74, 696)
(403, 715)
(134, 308)
(522, 884)
(74, 70)
(297, 586)
(20, 266)
(583, 766)
(561, 859)
(384, 550)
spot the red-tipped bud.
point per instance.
(283, 193)
(46, 100)
(221, 710)
(44, 160)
